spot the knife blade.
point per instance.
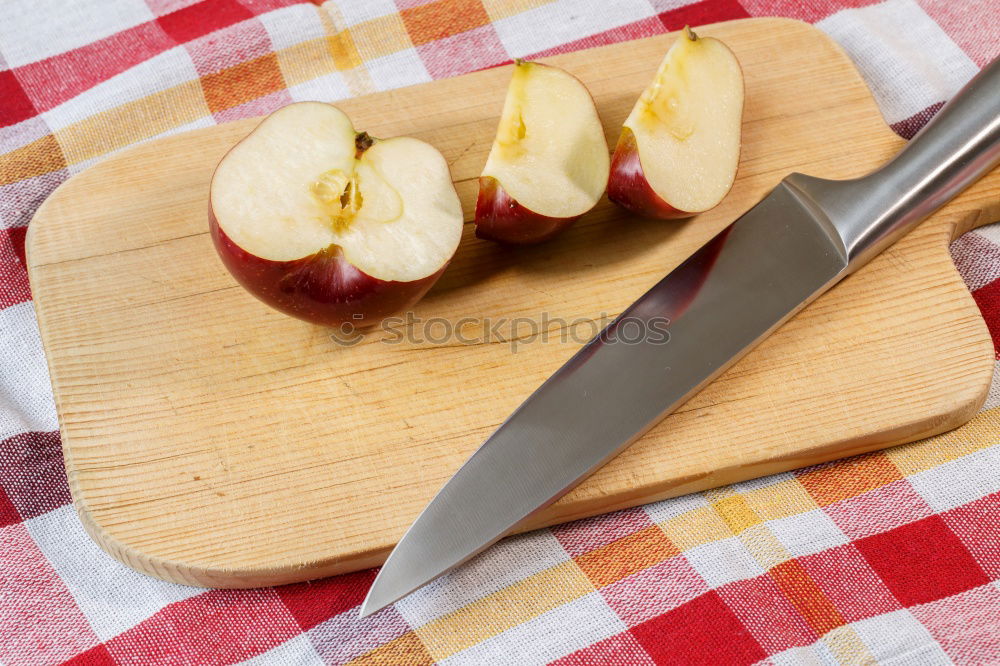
(799, 241)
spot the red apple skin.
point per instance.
(500, 218)
(628, 187)
(323, 288)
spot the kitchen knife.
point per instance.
(800, 240)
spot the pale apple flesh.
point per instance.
(329, 225)
(680, 146)
(549, 162)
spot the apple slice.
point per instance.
(329, 225)
(549, 162)
(680, 146)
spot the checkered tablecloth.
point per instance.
(892, 557)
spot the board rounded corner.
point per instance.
(202, 575)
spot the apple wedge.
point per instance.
(549, 162)
(329, 225)
(680, 146)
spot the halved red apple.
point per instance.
(329, 225)
(680, 146)
(549, 162)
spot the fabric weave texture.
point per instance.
(890, 558)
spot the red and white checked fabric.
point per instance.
(891, 558)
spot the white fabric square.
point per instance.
(112, 596)
(807, 533)
(161, 72)
(959, 481)
(327, 88)
(977, 259)
(298, 651)
(505, 563)
(724, 561)
(899, 638)
(26, 402)
(20, 200)
(358, 11)
(32, 30)
(293, 25)
(21, 134)
(905, 57)
(990, 232)
(403, 68)
(667, 5)
(347, 636)
(817, 654)
(556, 23)
(660, 512)
(560, 631)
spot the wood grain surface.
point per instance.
(212, 441)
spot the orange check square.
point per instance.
(848, 478)
(38, 157)
(242, 83)
(618, 559)
(796, 584)
(407, 649)
(443, 18)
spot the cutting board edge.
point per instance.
(963, 412)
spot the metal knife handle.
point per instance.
(960, 144)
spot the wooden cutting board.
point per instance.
(212, 441)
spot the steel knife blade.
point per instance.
(799, 241)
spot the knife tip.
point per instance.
(376, 599)
(369, 606)
(367, 609)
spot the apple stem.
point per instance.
(690, 33)
(362, 142)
